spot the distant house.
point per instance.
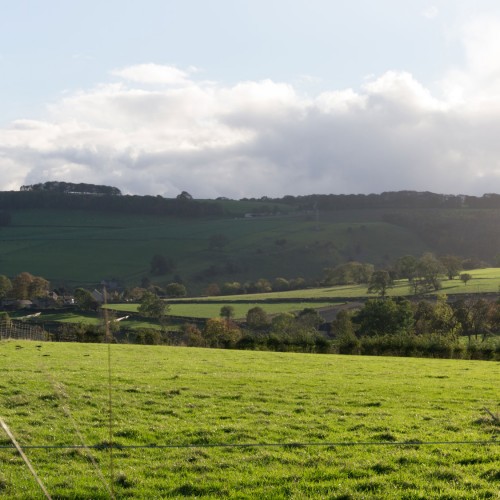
(13, 304)
(97, 296)
(23, 304)
(68, 300)
(111, 285)
(45, 302)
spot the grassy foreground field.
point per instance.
(302, 414)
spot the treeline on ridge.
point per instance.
(390, 199)
(149, 205)
(73, 188)
(58, 194)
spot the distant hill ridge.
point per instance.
(58, 194)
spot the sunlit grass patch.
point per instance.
(290, 425)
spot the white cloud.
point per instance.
(261, 138)
(153, 74)
(477, 84)
(430, 12)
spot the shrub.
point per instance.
(148, 336)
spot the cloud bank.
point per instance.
(159, 130)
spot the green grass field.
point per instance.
(317, 426)
(483, 281)
(212, 310)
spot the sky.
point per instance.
(251, 98)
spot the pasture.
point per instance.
(191, 423)
(212, 309)
(483, 281)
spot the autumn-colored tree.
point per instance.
(221, 333)
(26, 286)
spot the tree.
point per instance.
(26, 286)
(20, 286)
(343, 330)
(380, 281)
(5, 286)
(256, 318)
(297, 283)
(349, 273)
(452, 265)
(193, 335)
(423, 316)
(382, 317)
(184, 196)
(261, 286)
(231, 288)
(39, 287)
(148, 336)
(152, 306)
(282, 323)
(72, 188)
(429, 269)
(175, 290)
(465, 277)
(135, 294)
(5, 320)
(212, 290)
(310, 318)
(444, 321)
(85, 301)
(221, 333)
(480, 312)
(227, 312)
(463, 316)
(406, 267)
(281, 284)
(494, 316)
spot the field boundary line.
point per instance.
(25, 458)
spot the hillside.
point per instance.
(225, 240)
(76, 247)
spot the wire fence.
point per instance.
(18, 330)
